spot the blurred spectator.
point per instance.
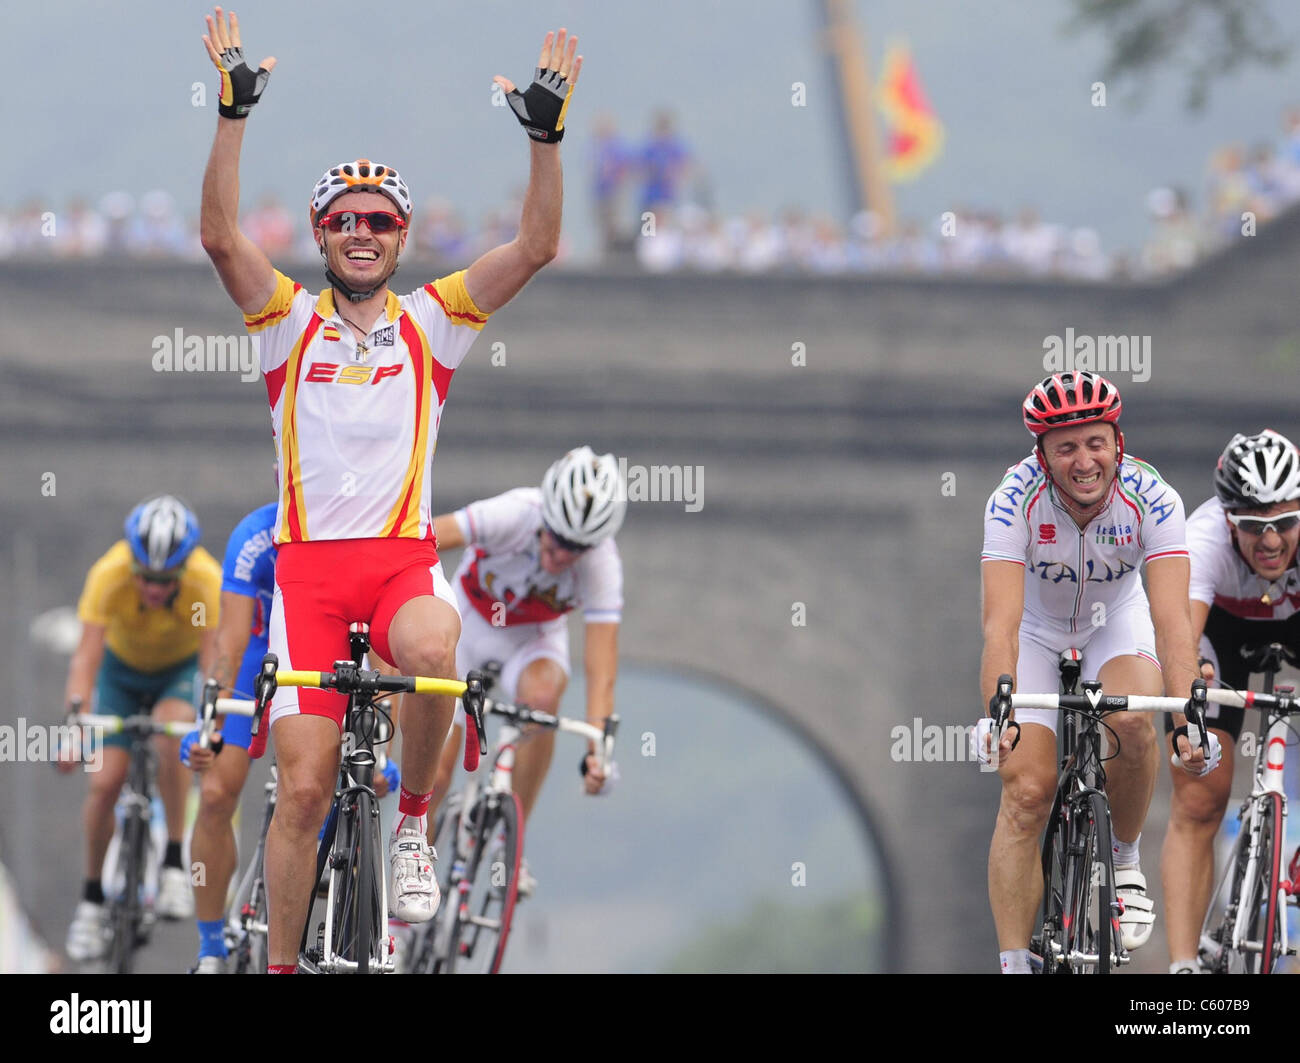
(612, 164)
(440, 231)
(1177, 241)
(116, 208)
(157, 230)
(81, 232)
(270, 226)
(664, 162)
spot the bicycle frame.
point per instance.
(356, 776)
(1236, 880)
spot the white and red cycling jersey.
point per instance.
(1070, 570)
(1221, 576)
(501, 574)
(356, 422)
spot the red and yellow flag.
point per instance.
(915, 135)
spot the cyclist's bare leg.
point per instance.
(1187, 860)
(540, 687)
(1131, 775)
(174, 778)
(422, 638)
(212, 848)
(451, 751)
(1015, 873)
(307, 759)
(97, 811)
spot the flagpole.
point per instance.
(848, 46)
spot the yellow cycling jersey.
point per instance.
(150, 640)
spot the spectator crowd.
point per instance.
(653, 207)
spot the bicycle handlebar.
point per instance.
(144, 724)
(602, 736)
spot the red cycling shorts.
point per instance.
(323, 587)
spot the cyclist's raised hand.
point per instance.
(241, 87)
(542, 106)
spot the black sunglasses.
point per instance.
(567, 544)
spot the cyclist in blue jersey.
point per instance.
(247, 587)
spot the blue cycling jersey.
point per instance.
(249, 569)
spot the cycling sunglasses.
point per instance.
(1281, 524)
(567, 544)
(346, 221)
(160, 578)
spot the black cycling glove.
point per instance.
(241, 87)
(541, 108)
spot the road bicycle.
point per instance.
(1080, 929)
(479, 834)
(352, 938)
(130, 916)
(1245, 929)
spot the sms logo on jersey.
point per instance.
(1046, 534)
(329, 373)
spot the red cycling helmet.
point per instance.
(1066, 399)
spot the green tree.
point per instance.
(1206, 39)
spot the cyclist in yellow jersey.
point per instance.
(148, 607)
(356, 379)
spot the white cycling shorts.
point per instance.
(1128, 631)
(516, 647)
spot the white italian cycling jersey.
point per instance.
(501, 574)
(356, 423)
(1070, 570)
(1221, 576)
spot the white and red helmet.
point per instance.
(361, 175)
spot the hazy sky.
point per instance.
(99, 97)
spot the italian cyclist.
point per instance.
(1066, 535)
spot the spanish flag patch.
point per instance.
(331, 332)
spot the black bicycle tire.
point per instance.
(365, 845)
(1052, 924)
(126, 909)
(508, 815)
(1104, 930)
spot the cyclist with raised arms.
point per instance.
(148, 608)
(534, 556)
(1245, 592)
(1065, 536)
(356, 380)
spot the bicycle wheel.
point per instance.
(251, 952)
(357, 907)
(1215, 952)
(1096, 917)
(1049, 945)
(125, 915)
(486, 909)
(1264, 911)
(425, 958)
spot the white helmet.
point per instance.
(1257, 471)
(359, 176)
(583, 497)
